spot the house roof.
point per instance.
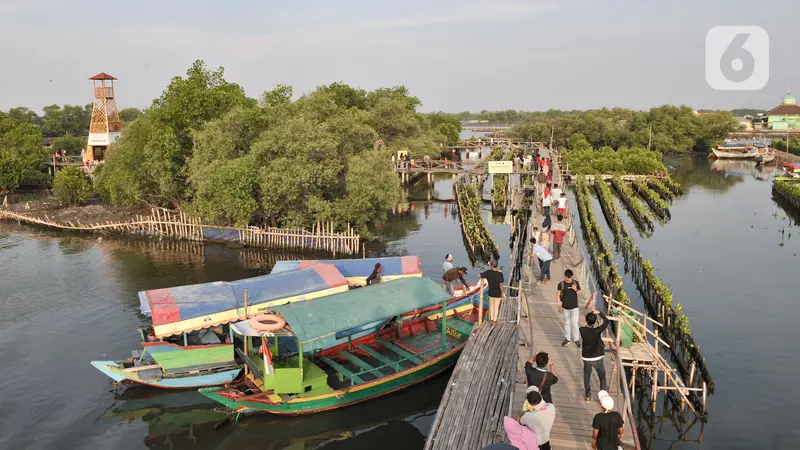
(102, 76)
(783, 110)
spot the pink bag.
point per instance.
(519, 435)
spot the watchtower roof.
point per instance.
(102, 76)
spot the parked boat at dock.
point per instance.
(302, 369)
(357, 270)
(748, 149)
(191, 345)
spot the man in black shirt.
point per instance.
(494, 280)
(593, 351)
(376, 275)
(608, 425)
(567, 299)
(450, 276)
(539, 376)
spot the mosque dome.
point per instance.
(789, 99)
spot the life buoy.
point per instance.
(268, 322)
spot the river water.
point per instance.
(70, 299)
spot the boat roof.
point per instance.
(351, 268)
(186, 308)
(316, 322)
(745, 142)
(794, 166)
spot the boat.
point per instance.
(191, 345)
(748, 149)
(357, 270)
(304, 370)
(792, 171)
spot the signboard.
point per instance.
(101, 139)
(501, 167)
(402, 153)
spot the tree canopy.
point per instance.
(582, 159)
(205, 147)
(675, 129)
(20, 151)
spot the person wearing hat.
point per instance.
(608, 425)
(538, 416)
(494, 281)
(449, 277)
(448, 263)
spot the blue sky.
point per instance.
(454, 55)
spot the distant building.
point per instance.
(786, 116)
(746, 122)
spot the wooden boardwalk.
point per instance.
(573, 426)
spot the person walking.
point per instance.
(494, 280)
(540, 418)
(593, 350)
(375, 276)
(562, 204)
(608, 425)
(539, 376)
(567, 298)
(559, 231)
(449, 277)
(545, 258)
(448, 263)
(556, 192)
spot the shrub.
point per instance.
(72, 186)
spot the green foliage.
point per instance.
(674, 128)
(448, 125)
(72, 186)
(499, 191)
(657, 204)
(790, 189)
(673, 185)
(144, 167)
(583, 160)
(128, 115)
(639, 212)
(11, 171)
(794, 145)
(480, 244)
(70, 144)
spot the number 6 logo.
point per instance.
(737, 58)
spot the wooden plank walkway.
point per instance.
(573, 426)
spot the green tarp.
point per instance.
(321, 318)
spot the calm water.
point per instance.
(67, 300)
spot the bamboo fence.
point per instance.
(177, 225)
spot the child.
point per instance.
(562, 204)
(545, 242)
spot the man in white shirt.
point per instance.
(541, 419)
(545, 258)
(556, 192)
(448, 263)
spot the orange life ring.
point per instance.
(274, 322)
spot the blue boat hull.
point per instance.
(113, 370)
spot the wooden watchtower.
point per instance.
(105, 126)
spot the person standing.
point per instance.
(559, 231)
(608, 425)
(448, 263)
(545, 258)
(449, 277)
(540, 420)
(375, 276)
(556, 192)
(394, 161)
(547, 201)
(593, 350)
(539, 376)
(494, 280)
(567, 299)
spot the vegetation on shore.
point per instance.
(480, 244)
(72, 186)
(675, 129)
(582, 159)
(638, 211)
(21, 152)
(206, 148)
(67, 120)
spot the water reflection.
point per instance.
(190, 420)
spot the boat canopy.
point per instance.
(397, 266)
(748, 142)
(791, 166)
(317, 322)
(186, 308)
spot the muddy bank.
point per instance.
(47, 207)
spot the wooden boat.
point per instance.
(740, 149)
(193, 346)
(357, 270)
(792, 171)
(302, 373)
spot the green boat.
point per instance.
(301, 369)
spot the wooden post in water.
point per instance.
(480, 303)
(245, 303)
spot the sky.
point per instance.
(454, 55)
